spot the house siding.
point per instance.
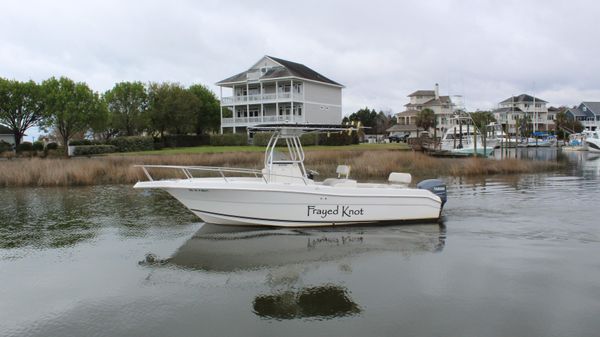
(322, 114)
(320, 93)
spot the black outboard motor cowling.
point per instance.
(436, 186)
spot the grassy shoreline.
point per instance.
(366, 165)
(250, 148)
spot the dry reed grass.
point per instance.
(374, 165)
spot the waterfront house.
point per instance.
(6, 135)
(274, 90)
(524, 107)
(442, 107)
(588, 113)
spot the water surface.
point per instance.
(514, 256)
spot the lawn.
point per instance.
(222, 149)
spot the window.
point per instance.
(284, 110)
(298, 88)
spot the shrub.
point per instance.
(25, 147)
(185, 140)
(52, 146)
(38, 146)
(262, 139)
(88, 150)
(131, 144)
(337, 138)
(229, 139)
(79, 142)
(5, 147)
(309, 139)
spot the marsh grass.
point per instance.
(368, 165)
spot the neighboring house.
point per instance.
(442, 106)
(7, 135)
(588, 113)
(524, 106)
(279, 91)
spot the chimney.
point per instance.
(437, 91)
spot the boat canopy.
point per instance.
(290, 136)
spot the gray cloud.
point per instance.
(381, 50)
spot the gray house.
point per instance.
(588, 113)
(279, 91)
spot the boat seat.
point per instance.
(343, 170)
(399, 178)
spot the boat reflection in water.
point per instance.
(286, 257)
(327, 301)
(228, 248)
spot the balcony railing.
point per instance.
(244, 121)
(262, 98)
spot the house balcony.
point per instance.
(262, 98)
(251, 121)
(590, 124)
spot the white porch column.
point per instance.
(234, 112)
(292, 100)
(277, 100)
(221, 106)
(247, 104)
(262, 105)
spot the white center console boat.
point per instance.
(284, 193)
(592, 141)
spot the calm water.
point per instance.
(515, 256)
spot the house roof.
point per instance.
(408, 113)
(402, 128)
(287, 69)
(594, 106)
(555, 109)
(576, 112)
(506, 110)
(441, 100)
(523, 98)
(5, 130)
(303, 71)
(423, 93)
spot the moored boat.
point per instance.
(466, 140)
(592, 141)
(284, 193)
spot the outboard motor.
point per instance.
(436, 187)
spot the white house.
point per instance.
(6, 135)
(279, 91)
(442, 107)
(524, 106)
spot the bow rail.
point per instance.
(187, 171)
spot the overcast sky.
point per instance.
(380, 50)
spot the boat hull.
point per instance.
(282, 205)
(593, 145)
